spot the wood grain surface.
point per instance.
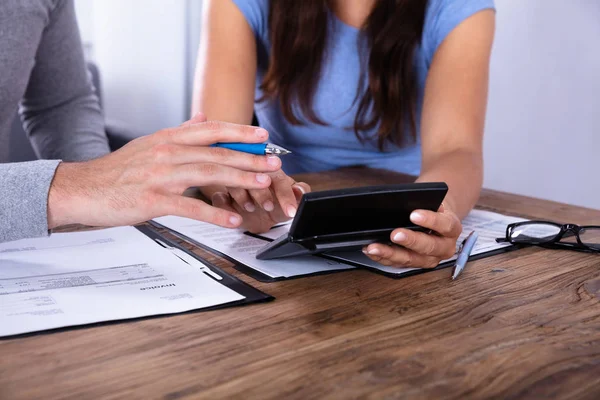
(524, 324)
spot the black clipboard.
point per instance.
(252, 295)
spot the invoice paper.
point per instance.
(79, 278)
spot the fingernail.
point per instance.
(249, 207)
(373, 252)
(291, 211)
(262, 178)
(400, 237)
(235, 220)
(268, 206)
(261, 133)
(417, 217)
(273, 161)
(300, 188)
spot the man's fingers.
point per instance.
(195, 209)
(282, 187)
(398, 257)
(207, 174)
(446, 224)
(243, 199)
(263, 198)
(196, 119)
(423, 243)
(180, 154)
(211, 132)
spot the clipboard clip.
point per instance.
(186, 258)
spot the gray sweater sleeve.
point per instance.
(24, 199)
(42, 63)
(60, 110)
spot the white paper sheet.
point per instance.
(241, 247)
(79, 278)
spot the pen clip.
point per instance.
(462, 244)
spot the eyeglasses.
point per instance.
(552, 235)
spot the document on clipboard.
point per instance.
(81, 278)
(241, 248)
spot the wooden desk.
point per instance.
(525, 324)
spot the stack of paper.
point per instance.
(80, 278)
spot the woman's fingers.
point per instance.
(445, 223)
(243, 199)
(419, 249)
(282, 187)
(398, 257)
(300, 189)
(423, 243)
(263, 198)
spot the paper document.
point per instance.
(243, 248)
(235, 244)
(79, 278)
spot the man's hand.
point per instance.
(146, 178)
(263, 208)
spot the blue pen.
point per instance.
(464, 252)
(260, 149)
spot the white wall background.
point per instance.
(543, 122)
(141, 48)
(543, 125)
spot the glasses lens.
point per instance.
(538, 232)
(590, 237)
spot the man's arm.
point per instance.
(60, 110)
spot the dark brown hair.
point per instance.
(389, 37)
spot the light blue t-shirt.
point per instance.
(315, 147)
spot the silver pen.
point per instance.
(464, 252)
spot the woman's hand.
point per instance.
(419, 249)
(263, 208)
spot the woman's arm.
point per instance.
(226, 66)
(224, 90)
(452, 139)
(454, 112)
